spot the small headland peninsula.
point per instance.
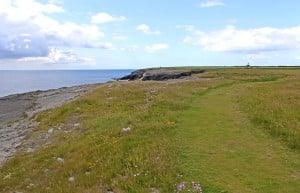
(161, 74)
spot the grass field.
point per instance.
(232, 130)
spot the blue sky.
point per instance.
(131, 34)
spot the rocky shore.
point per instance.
(160, 74)
(17, 113)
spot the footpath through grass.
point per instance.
(223, 150)
(181, 133)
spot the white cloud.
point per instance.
(31, 32)
(231, 39)
(106, 18)
(156, 47)
(23, 10)
(211, 3)
(146, 30)
(57, 56)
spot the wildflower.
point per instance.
(30, 185)
(170, 123)
(180, 186)
(197, 187)
(126, 129)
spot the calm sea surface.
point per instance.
(19, 81)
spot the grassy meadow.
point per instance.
(229, 130)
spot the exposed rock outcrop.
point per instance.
(160, 74)
(17, 115)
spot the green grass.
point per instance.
(226, 153)
(275, 107)
(208, 131)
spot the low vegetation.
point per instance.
(231, 130)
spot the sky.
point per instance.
(133, 34)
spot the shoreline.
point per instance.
(17, 112)
(33, 80)
(35, 101)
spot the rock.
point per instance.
(164, 75)
(47, 136)
(198, 71)
(154, 190)
(134, 75)
(14, 125)
(30, 150)
(110, 191)
(160, 74)
(17, 145)
(71, 179)
(61, 160)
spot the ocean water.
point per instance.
(20, 81)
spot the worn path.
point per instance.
(224, 150)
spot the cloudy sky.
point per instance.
(113, 34)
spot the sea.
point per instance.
(21, 81)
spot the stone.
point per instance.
(61, 160)
(110, 191)
(71, 179)
(30, 150)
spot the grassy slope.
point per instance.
(202, 131)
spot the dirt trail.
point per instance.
(17, 113)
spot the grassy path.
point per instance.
(226, 153)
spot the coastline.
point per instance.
(17, 113)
